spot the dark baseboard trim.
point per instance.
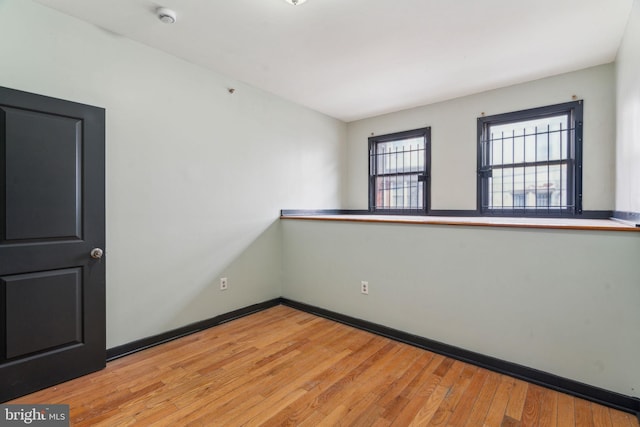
(145, 343)
(564, 385)
(633, 217)
(459, 213)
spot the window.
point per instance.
(398, 172)
(530, 162)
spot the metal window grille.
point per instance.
(530, 162)
(398, 178)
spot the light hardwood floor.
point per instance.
(285, 367)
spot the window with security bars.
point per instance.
(398, 172)
(530, 162)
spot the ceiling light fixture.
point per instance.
(295, 2)
(167, 16)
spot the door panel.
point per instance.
(43, 175)
(35, 299)
(52, 293)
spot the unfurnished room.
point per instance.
(320, 212)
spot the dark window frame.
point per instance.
(423, 176)
(574, 110)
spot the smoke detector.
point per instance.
(167, 16)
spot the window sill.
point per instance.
(542, 223)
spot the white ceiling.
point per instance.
(352, 59)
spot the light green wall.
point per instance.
(564, 302)
(628, 117)
(195, 176)
(454, 137)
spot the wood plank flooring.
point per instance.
(284, 367)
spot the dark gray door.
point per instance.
(52, 306)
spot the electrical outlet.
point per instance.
(364, 287)
(224, 285)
